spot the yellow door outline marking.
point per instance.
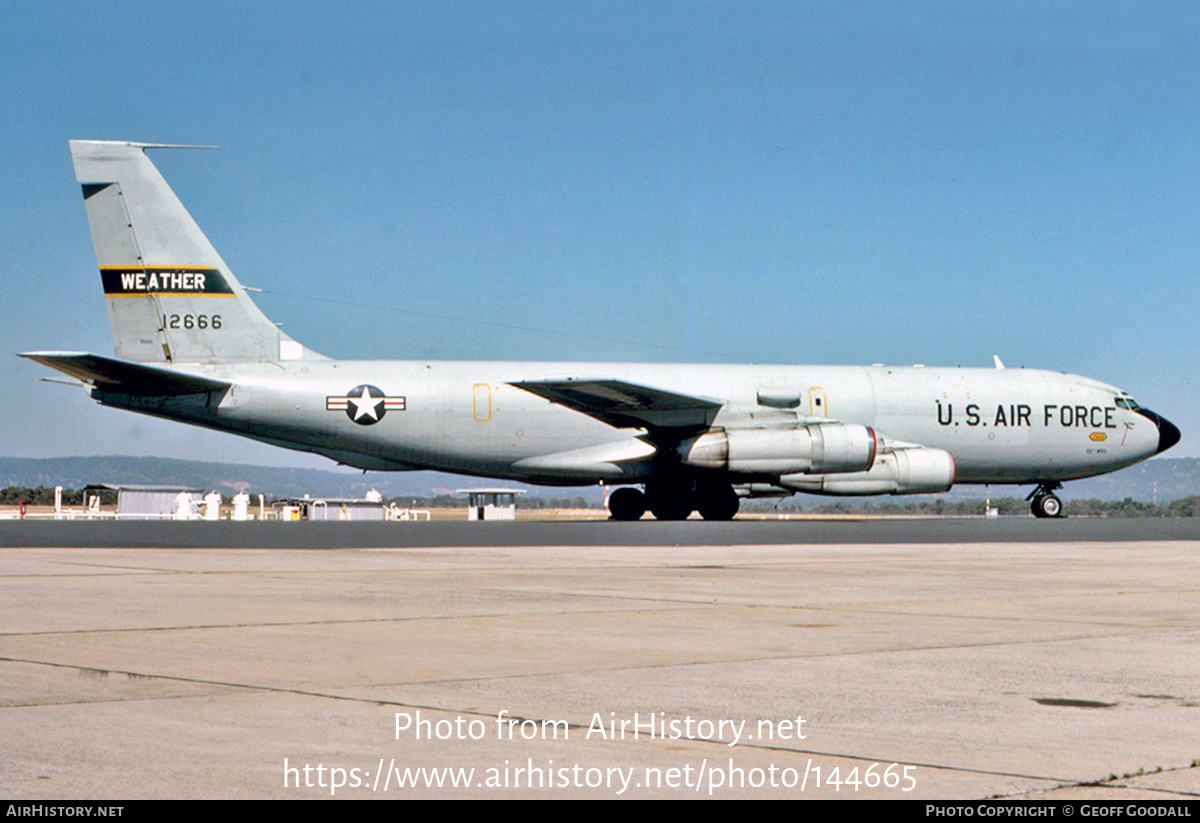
(481, 402)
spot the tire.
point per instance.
(626, 504)
(1047, 505)
(675, 504)
(718, 503)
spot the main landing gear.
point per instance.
(1044, 503)
(675, 501)
(626, 503)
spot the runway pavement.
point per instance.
(1012, 667)
(265, 535)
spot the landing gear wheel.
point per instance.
(1047, 505)
(626, 504)
(1043, 502)
(670, 503)
(718, 503)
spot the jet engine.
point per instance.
(904, 471)
(822, 447)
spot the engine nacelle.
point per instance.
(822, 447)
(905, 471)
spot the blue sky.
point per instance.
(788, 182)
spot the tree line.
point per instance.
(44, 496)
(1014, 506)
(1011, 506)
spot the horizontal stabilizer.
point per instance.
(626, 405)
(111, 375)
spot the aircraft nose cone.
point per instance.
(1168, 432)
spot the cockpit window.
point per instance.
(1127, 403)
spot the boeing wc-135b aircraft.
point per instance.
(191, 346)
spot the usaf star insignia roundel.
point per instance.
(365, 404)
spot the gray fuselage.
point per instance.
(1000, 425)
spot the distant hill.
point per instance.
(227, 478)
(1161, 480)
(1156, 481)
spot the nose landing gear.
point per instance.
(1044, 503)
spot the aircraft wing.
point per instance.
(112, 375)
(626, 405)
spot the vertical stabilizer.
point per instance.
(171, 298)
